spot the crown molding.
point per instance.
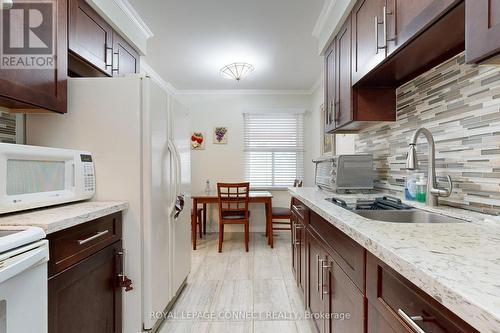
(137, 20)
(125, 20)
(243, 92)
(329, 22)
(323, 16)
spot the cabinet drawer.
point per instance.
(71, 245)
(300, 211)
(393, 300)
(346, 252)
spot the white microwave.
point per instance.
(33, 177)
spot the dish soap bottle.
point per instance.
(421, 189)
(411, 186)
(207, 187)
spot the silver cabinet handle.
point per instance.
(107, 57)
(376, 35)
(91, 238)
(318, 261)
(389, 12)
(293, 233)
(384, 25)
(411, 321)
(323, 267)
(117, 68)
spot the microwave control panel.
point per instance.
(88, 174)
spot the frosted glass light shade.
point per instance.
(236, 71)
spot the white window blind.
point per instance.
(274, 149)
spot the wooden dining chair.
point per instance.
(233, 207)
(281, 216)
(201, 220)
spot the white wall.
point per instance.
(344, 143)
(313, 133)
(226, 162)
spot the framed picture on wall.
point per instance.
(197, 140)
(327, 140)
(220, 135)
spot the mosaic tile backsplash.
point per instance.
(7, 127)
(460, 105)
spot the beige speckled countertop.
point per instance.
(457, 264)
(52, 219)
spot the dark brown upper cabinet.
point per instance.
(90, 37)
(367, 44)
(32, 90)
(413, 36)
(405, 19)
(330, 78)
(351, 108)
(95, 49)
(482, 33)
(343, 87)
(125, 57)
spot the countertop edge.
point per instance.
(68, 219)
(449, 298)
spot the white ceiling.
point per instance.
(193, 39)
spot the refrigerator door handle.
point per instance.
(178, 178)
(173, 187)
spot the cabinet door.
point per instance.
(343, 114)
(482, 29)
(330, 89)
(295, 254)
(90, 37)
(301, 235)
(298, 251)
(406, 18)
(34, 88)
(86, 297)
(317, 257)
(346, 303)
(125, 57)
(367, 32)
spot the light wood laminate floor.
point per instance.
(235, 291)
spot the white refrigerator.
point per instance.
(139, 135)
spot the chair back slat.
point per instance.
(233, 197)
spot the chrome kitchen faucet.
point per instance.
(432, 191)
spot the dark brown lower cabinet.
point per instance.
(86, 296)
(335, 301)
(396, 305)
(316, 256)
(348, 290)
(346, 303)
(299, 248)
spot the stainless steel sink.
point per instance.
(406, 216)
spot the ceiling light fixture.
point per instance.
(236, 71)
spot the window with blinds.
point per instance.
(274, 149)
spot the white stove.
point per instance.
(24, 254)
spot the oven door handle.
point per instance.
(18, 264)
